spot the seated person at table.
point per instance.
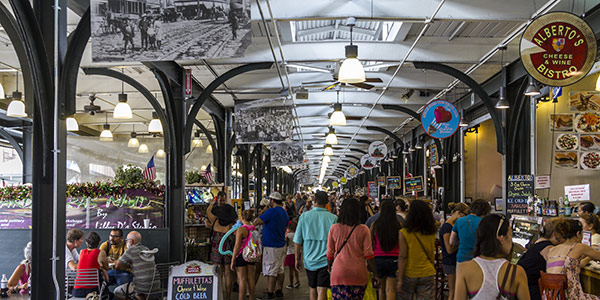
(566, 257)
(140, 260)
(74, 241)
(114, 249)
(19, 280)
(90, 258)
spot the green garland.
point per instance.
(88, 189)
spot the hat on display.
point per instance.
(148, 255)
(275, 196)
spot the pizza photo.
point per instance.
(567, 142)
(590, 160)
(587, 122)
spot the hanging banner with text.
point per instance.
(193, 280)
(413, 184)
(518, 192)
(394, 182)
(558, 49)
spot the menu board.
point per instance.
(381, 181)
(413, 184)
(192, 280)
(520, 189)
(373, 189)
(393, 182)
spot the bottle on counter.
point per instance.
(4, 286)
(567, 206)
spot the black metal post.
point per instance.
(258, 172)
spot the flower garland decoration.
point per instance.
(87, 189)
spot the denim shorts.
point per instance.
(386, 266)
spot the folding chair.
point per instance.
(86, 277)
(160, 280)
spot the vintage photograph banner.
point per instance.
(287, 154)
(154, 30)
(258, 123)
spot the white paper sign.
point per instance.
(578, 192)
(542, 182)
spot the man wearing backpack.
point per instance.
(275, 221)
(310, 245)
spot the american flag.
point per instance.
(150, 170)
(207, 174)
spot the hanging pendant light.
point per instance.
(337, 117)
(2, 95)
(411, 148)
(209, 149)
(72, 124)
(155, 126)
(328, 150)
(160, 153)
(143, 148)
(16, 108)
(331, 137)
(197, 142)
(419, 145)
(133, 141)
(463, 124)
(532, 90)
(122, 110)
(502, 101)
(326, 159)
(351, 70)
(106, 135)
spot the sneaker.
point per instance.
(279, 294)
(297, 284)
(267, 296)
(289, 287)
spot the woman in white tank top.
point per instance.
(482, 277)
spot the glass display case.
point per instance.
(526, 230)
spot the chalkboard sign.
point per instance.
(413, 184)
(393, 182)
(381, 181)
(193, 280)
(519, 190)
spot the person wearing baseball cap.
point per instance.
(275, 221)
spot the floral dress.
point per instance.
(574, 290)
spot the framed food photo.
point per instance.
(588, 122)
(590, 160)
(561, 122)
(589, 142)
(584, 101)
(567, 142)
(566, 159)
(499, 204)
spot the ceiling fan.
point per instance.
(92, 108)
(335, 81)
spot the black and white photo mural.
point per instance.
(286, 154)
(263, 121)
(151, 30)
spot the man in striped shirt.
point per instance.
(141, 260)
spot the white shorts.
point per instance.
(272, 262)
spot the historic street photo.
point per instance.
(287, 154)
(262, 124)
(154, 30)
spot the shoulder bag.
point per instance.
(342, 247)
(512, 269)
(425, 251)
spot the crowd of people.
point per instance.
(346, 243)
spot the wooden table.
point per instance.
(590, 281)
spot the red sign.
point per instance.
(193, 269)
(558, 49)
(187, 83)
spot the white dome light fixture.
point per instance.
(160, 153)
(197, 142)
(155, 126)
(133, 141)
(106, 135)
(351, 70)
(16, 108)
(2, 95)
(326, 159)
(337, 117)
(143, 148)
(331, 137)
(122, 110)
(72, 124)
(209, 149)
(328, 150)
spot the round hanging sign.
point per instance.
(367, 162)
(558, 49)
(343, 180)
(351, 172)
(377, 150)
(440, 119)
(334, 184)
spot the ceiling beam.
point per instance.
(329, 28)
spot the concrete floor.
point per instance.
(295, 294)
